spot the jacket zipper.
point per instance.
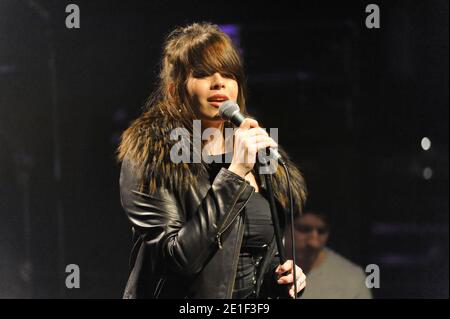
(226, 225)
(270, 254)
(159, 287)
(236, 259)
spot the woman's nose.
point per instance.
(218, 81)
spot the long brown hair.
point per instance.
(199, 49)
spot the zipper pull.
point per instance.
(219, 242)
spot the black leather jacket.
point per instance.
(186, 245)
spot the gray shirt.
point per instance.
(336, 278)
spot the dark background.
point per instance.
(352, 105)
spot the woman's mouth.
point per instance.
(217, 99)
(216, 103)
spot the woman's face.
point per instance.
(208, 92)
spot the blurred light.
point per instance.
(234, 32)
(425, 143)
(427, 173)
(7, 68)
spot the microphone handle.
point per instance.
(237, 118)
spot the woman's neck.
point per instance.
(213, 145)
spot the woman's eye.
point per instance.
(228, 75)
(203, 74)
(199, 74)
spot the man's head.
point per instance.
(311, 232)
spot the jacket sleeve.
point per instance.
(183, 245)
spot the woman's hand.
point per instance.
(249, 138)
(284, 279)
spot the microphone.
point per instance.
(229, 111)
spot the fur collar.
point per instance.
(147, 144)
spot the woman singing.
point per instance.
(201, 229)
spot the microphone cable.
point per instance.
(277, 226)
(291, 204)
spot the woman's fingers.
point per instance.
(286, 279)
(257, 131)
(254, 144)
(253, 140)
(289, 278)
(284, 267)
(248, 123)
(301, 284)
(249, 140)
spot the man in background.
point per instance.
(329, 275)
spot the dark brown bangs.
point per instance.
(214, 55)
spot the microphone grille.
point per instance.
(227, 109)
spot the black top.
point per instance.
(258, 234)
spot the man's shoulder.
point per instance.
(341, 264)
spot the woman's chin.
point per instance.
(213, 116)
